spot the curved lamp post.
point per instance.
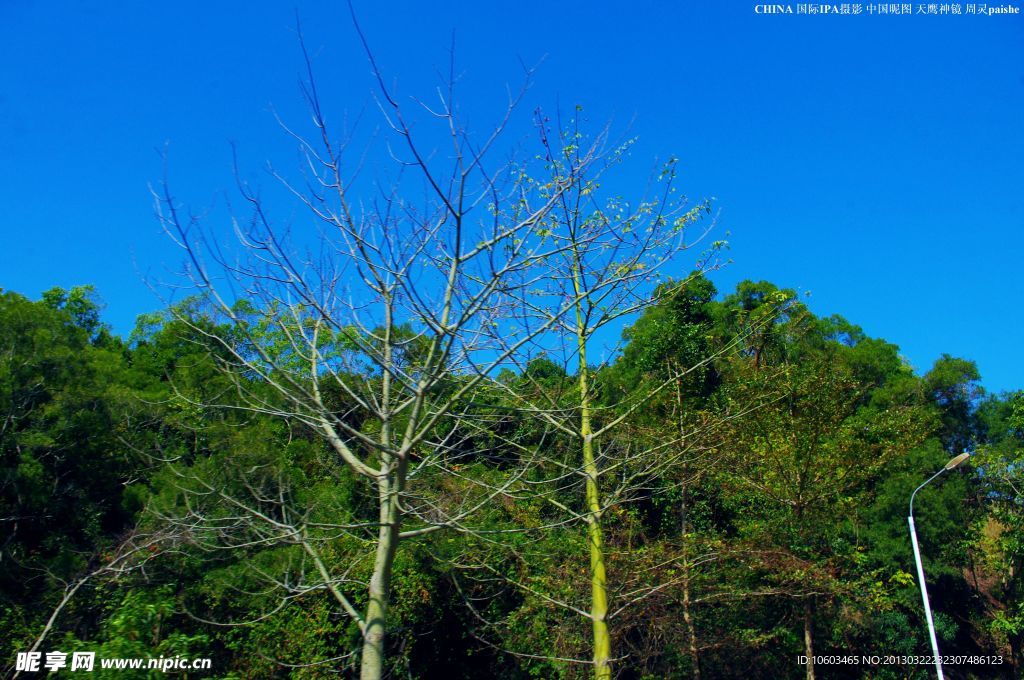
(920, 569)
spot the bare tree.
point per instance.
(613, 448)
(377, 340)
(609, 262)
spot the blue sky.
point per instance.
(875, 161)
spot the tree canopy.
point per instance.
(753, 505)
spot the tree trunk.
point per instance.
(598, 576)
(808, 639)
(684, 527)
(688, 619)
(599, 598)
(380, 583)
(687, 613)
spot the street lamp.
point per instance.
(920, 569)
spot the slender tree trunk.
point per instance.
(380, 582)
(602, 641)
(598, 576)
(809, 638)
(684, 508)
(688, 619)
(687, 612)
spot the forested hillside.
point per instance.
(725, 493)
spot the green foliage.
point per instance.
(66, 443)
(141, 623)
(802, 439)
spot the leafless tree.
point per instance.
(379, 337)
(611, 257)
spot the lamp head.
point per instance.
(956, 461)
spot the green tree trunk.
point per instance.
(598, 578)
(380, 582)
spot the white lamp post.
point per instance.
(920, 569)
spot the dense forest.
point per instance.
(161, 496)
(460, 402)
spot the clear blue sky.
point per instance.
(877, 162)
